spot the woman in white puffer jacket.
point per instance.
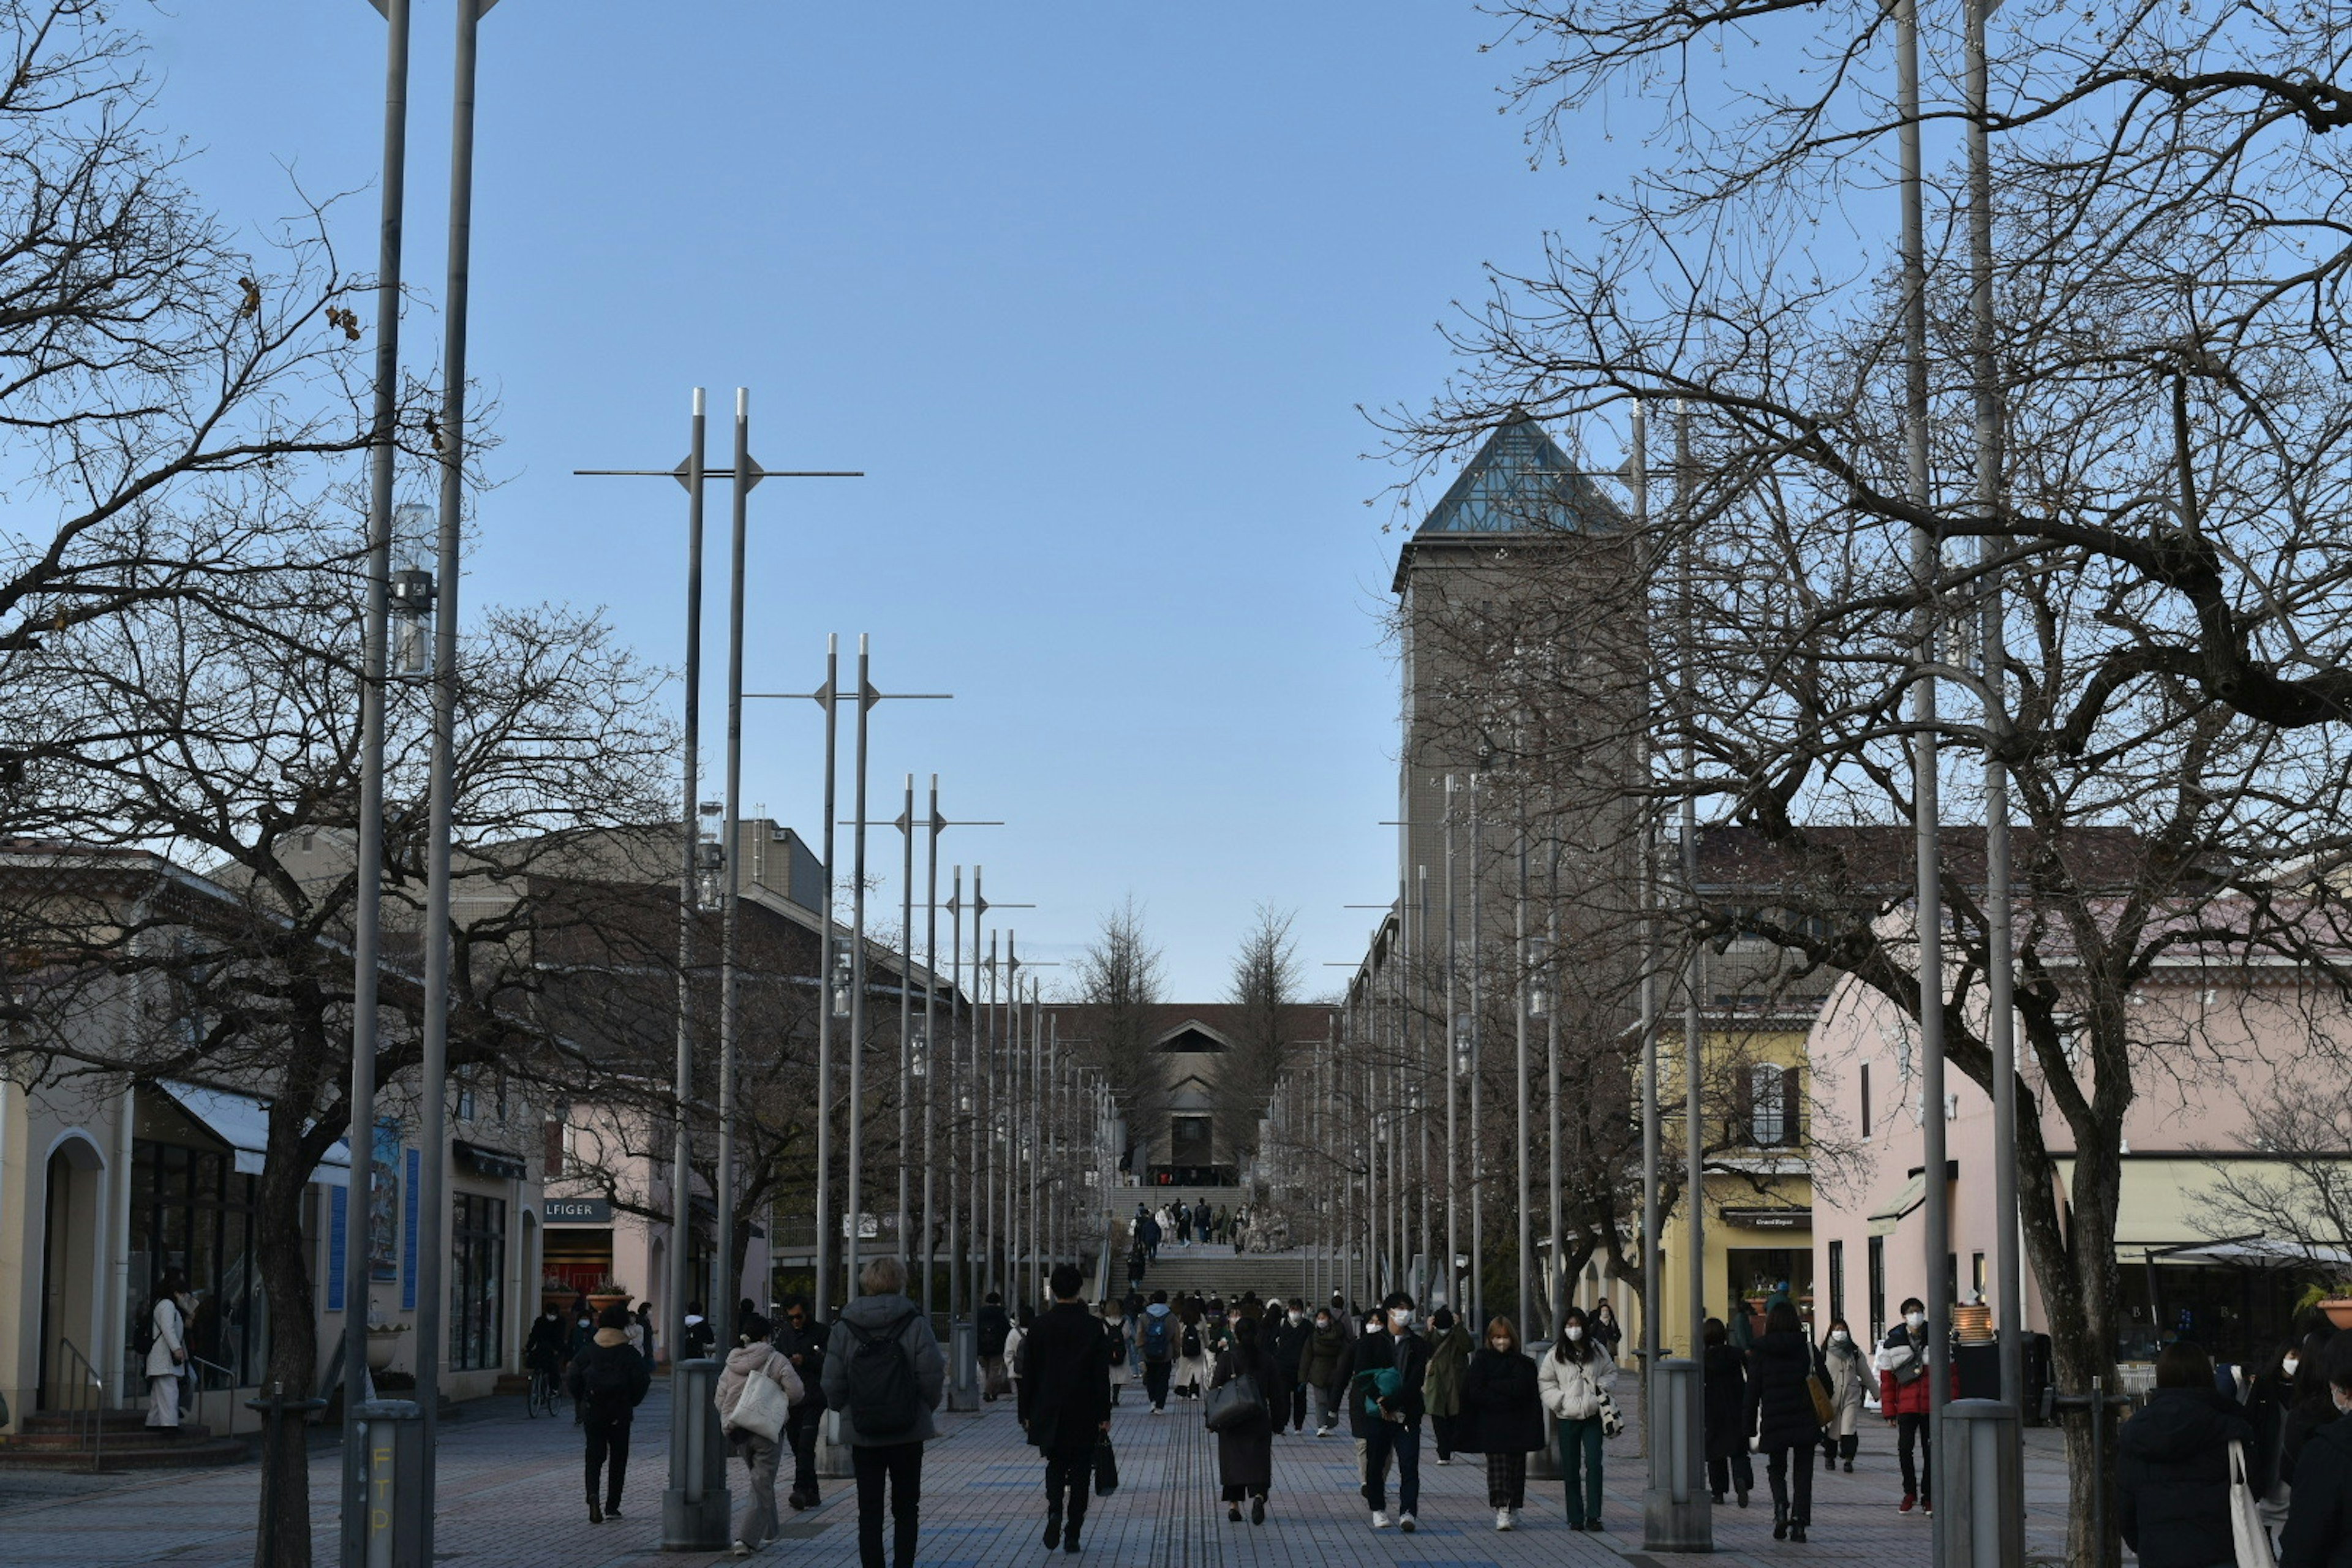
(1574, 1378)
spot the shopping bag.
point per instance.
(761, 1407)
(1612, 1420)
(1234, 1405)
(2249, 1541)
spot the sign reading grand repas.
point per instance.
(577, 1211)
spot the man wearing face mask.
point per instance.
(1903, 1394)
(2319, 1515)
(1384, 1372)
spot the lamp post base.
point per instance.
(694, 1524)
(963, 1366)
(833, 1458)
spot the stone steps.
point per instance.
(55, 1440)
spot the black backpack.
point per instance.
(1192, 1342)
(882, 1397)
(605, 1379)
(143, 1339)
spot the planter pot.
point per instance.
(381, 1344)
(2339, 1309)
(601, 1302)
(1973, 1324)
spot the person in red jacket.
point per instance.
(1903, 1399)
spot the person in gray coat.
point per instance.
(884, 1373)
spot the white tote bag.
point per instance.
(2249, 1542)
(761, 1407)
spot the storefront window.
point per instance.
(189, 1209)
(478, 1233)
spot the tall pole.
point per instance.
(907, 1249)
(2001, 1005)
(367, 892)
(1557, 1284)
(432, 1226)
(1694, 1116)
(931, 1042)
(1457, 1048)
(1519, 990)
(857, 978)
(828, 696)
(1039, 1129)
(721, 1314)
(1420, 948)
(992, 1137)
(1653, 1134)
(1928, 906)
(1478, 1291)
(958, 1092)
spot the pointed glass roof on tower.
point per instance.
(1520, 481)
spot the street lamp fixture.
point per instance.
(919, 1055)
(841, 984)
(1462, 1045)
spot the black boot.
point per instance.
(1780, 1522)
(1053, 1529)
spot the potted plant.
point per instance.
(607, 1293)
(2333, 1299)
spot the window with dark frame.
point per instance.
(1837, 1279)
(192, 1209)
(1877, 1289)
(477, 1247)
(1866, 1100)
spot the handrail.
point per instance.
(98, 1404)
(227, 1385)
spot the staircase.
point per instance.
(1210, 1270)
(62, 1440)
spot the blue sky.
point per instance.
(1092, 292)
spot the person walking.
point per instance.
(1155, 1343)
(1192, 1349)
(2319, 1514)
(2314, 1405)
(755, 1359)
(1062, 1399)
(1386, 1374)
(2172, 1466)
(1502, 1417)
(1287, 1344)
(992, 1328)
(1449, 1351)
(1122, 1354)
(1574, 1379)
(1318, 1368)
(582, 1334)
(801, 1340)
(543, 1350)
(1850, 1379)
(609, 1380)
(1203, 1217)
(884, 1372)
(1245, 1449)
(165, 1330)
(701, 1339)
(1184, 1223)
(1781, 1367)
(1903, 1400)
(1723, 1376)
(1163, 1221)
(1012, 1343)
(1604, 1329)
(641, 1331)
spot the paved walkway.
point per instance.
(511, 1495)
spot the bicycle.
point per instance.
(546, 1393)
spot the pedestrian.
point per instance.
(1606, 1333)
(1203, 1218)
(1137, 1263)
(165, 1330)
(1155, 1340)
(1155, 1231)
(1739, 1323)
(1723, 1376)
(1502, 1417)
(884, 1372)
(755, 1358)
(1063, 1397)
(641, 1331)
(2172, 1466)
(801, 1340)
(609, 1380)
(1343, 1315)
(1191, 1350)
(1013, 1342)
(1850, 1380)
(1164, 1222)
(1122, 1357)
(1318, 1368)
(2270, 1393)
(542, 1350)
(1183, 1223)
(1245, 1449)
(1386, 1373)
(575, 1345)
(1781, 1414)
(992, 1328)
(2319, 1516)
(2313, 1406)
(1903, 1399)
(1287, 1344)
(700, 1337)
(1449, 1351)
(1574, 1379)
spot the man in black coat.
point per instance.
(1288, 1348)
(1064, 1399)
(992, 1328)
(1388, 1419)
(802, 1340)
(2319, 1514)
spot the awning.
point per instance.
(1888, 1215)
(242, 1123)
(2252, 1253)
(495, 1163)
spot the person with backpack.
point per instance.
(1191, 1350)
(609, 1380)
(1449, 1351)
(994, 1327)
(1155, 1340)
(755, 1359)
(800, 1339)
(1384, 1372)
(1318, 1368)
(1063, 1400)
(1121, 1370)
(700, 1337)
(884, 1372)
(163, 1339)
(1012, 1343)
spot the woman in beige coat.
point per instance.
(167, 1356)
(752, 1357)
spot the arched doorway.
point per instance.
(72, 1219)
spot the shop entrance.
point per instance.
(579, 1258)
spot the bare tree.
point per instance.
(2301, 1198)
(1117, 985)
(1265, 992)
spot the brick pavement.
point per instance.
(511, 1495)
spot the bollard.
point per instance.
(387, 1529)
(1981, 1484)
(1676, 1513)
(1543, 1464)
(963, 1365)
(695, 1506)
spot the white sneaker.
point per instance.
(1502, 1519)
(740, 1549)
(1443, 1460)
(1405, 1524)
(1322, 1431)
(1380, 1519)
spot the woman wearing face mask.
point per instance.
(2319, 1519)
(1723, 1381)
(1780, 1415)
(1573, 1379)
(1502, 1417)
(2312, 1407)
(1449, 1351)
(2172, 1468)
(1318, 1368)
(1850, 1379)
(2269, 1394)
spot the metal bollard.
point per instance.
(387, 1529)
(963, 1365)
(695, 1506)
(1981, 1485)
(1676, 1513)
(1543, 1464)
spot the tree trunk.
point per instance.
(293, 1355)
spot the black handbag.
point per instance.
(1105, 1469)
(1234, 1404)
